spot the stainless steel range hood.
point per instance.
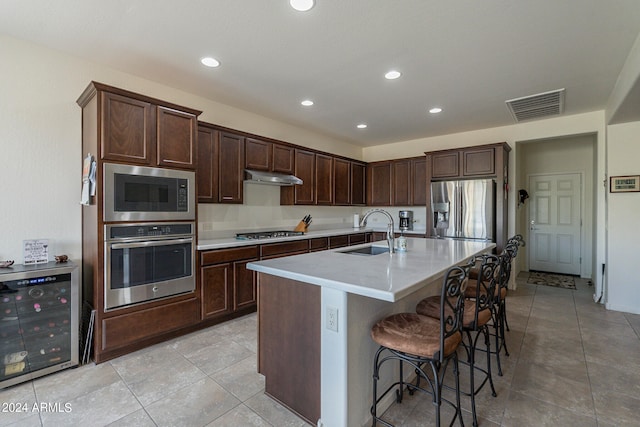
(271, 178)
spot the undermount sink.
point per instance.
(367, 250)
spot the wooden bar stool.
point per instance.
(420, 340)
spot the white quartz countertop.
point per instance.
(232, 242)
(387, 277)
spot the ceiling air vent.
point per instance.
(537, 106)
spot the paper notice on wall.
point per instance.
(88, 180)
(36, 251)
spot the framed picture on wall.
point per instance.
(625, 184)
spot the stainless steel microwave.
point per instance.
(139, 193)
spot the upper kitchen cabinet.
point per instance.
(401, 170)
(379, 184)
(324, 179)
(342, 182)
(230, 168)
(305, 169)
(136, 129)
(283, 159)
(462, 163)
(268, 156)
(207, 170)
(358, 184)
(419, 181)
(400, 182)
(258, 155)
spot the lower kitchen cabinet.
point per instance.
(227, 285)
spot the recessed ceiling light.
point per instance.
(362, 126)
(392, 75)
(435, 110)
(307, 103)
(302, 5)
(210, 62)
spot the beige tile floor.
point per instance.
(572, 363)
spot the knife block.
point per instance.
(301, 227)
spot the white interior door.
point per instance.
(555, 223)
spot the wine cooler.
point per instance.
(39, 315)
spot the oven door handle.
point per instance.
(150, 243)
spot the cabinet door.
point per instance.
(257, 155)
(342, 182)
(128, 129)
(283, 159)
(324, 179)
(305, 194)
(207, 170)
(401, 182)
(358, 184)
(419, 181)
(445, 165)
(379, 184)
(176, 138)
(244, 284)
(479, 162)
(216, 281)
(231, 168)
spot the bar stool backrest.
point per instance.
(452, 305)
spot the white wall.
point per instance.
(40, 142)
(623, 280)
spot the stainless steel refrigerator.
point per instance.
(464, 209)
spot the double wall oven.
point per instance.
(149, 234)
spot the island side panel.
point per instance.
(289, 343)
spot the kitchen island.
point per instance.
(315, 312)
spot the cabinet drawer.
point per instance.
(130, 328)
(338, 241)
(319, 244)
(271, 249)
(356, 239)
(228, 255)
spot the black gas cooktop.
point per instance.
(267, 235)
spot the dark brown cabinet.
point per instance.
(258, 155)
(419, 181)
(230, 168)
(401, 182)
(358, 184)
(467, 162)
(226, 283)
(324, 179)
(445, 165)
(478, 162)
(128, 129)
(137, 130)
(379, 184)
(342, 182)
(207, 170)
(283, 159)
(305, 169)
(398, 182)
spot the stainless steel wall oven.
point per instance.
(148, 261)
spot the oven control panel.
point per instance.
(148, 230)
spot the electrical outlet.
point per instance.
(332, 319)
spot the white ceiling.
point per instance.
(466, 56)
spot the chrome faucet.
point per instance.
(390, 236)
